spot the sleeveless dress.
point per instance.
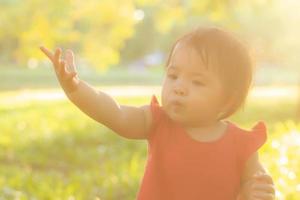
(181, 168)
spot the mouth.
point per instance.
(176, 104)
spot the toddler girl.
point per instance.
(193, 151)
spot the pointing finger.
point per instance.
(48, 53)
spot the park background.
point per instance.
(50, 150)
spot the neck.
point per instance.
(206, 128)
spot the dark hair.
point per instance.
(228, 56)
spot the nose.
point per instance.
(180, 89)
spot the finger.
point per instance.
(62, 69)
(48, 53)
(265, 178)
(69, 56)
(68, 77)
(57, 57)
(264, 187)
(260, 172)
(263, 195)
(71, 75)
(65, 73)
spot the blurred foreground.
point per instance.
(50, 150)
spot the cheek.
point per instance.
(197, 94)
(196, 104)
(164, 93)
(200, 99)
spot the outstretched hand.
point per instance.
(65, 69)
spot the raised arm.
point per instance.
(127, 121)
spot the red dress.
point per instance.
(181, 168)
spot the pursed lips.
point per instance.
(176, 103)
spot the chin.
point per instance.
(174, 116)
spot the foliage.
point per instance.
(95, 29)
(106, 33)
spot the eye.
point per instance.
(198, 83)
(172, 76)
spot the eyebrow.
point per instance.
(175, 67)
(172, 67)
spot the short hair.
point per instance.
(228, 56)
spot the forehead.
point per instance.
(185, 57)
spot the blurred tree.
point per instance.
(94, 29)
(102, 31)
(97, 30)
(164, 21)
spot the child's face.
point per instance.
(191, 94)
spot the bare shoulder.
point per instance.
(135, 122)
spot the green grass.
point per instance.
(13, 78)
(50, 150)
